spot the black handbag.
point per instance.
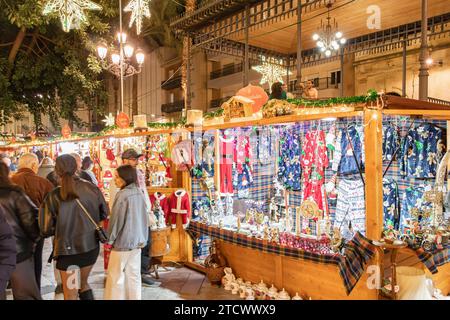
(101, 233)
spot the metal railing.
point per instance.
(176, 106)
(319, 84)
(439, 101)
(226, 71)
(172, 83)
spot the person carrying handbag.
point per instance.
(76, 240)
(128, 234)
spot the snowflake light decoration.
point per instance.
(139, 9)
(71, 12)
(271, 71)
(109, 120)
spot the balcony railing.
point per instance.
(171, 84)
(319, 84)
(176, 106)
(226, 71)
(214, 104)
(439, 101)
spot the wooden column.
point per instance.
(423, 71)
(404, 70)
(299, 43)
(374, 180)
(341, 54)
(246, 53)
(374, 173)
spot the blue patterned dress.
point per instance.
(289, 169)
(423, 149)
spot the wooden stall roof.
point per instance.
(393, 106)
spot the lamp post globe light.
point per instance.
(131, 59)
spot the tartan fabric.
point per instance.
(358, 252)
(351, 265)
(434, 260)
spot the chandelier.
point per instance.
(125, 61)
(328, 38)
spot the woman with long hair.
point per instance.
(128, 229)
(20, 213)
(278, 92)
(64, 216)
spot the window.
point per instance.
(336, 77)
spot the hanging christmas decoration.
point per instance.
(272, 71)
(66, 131)
(139, 9)
(109, 120)
(70, 12)
(122, 120)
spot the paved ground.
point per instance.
(177, 283)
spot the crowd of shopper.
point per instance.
(61, 200)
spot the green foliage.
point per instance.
(54, 72)
(157, 29)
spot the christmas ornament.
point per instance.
(66, 131)
(139, 9)
(109, 120)
(255, 93)
(70, 11)
(122, 120)
(271, 71)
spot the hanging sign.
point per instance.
(255, 93)
(122, 120)
(66, 131)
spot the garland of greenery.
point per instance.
(371, 96)
(213, 114)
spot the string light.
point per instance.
(139, 9)
(70, 11)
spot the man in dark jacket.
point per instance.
(37, 189)
(21, 213)
(7, 254)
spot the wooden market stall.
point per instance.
(310, 274)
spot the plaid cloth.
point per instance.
(351, 265)
(434, 260)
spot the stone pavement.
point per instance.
(176, 283)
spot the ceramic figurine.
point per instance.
(283, 295)
(234, 287)
(228, 277)
(296, 297)
(242, 291)
(250, 294)
(261, 290)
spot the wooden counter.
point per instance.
(315, 280)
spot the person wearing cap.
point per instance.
(131, 157)
(63, 215)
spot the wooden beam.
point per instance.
(374, 173)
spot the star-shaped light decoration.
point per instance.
(71, 12)
(109, 120)
(271, 71)
(139, 9)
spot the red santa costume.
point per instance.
(179, 204)
(227, 156)
(163, 203)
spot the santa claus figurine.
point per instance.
(179, 204)
(163, 203)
